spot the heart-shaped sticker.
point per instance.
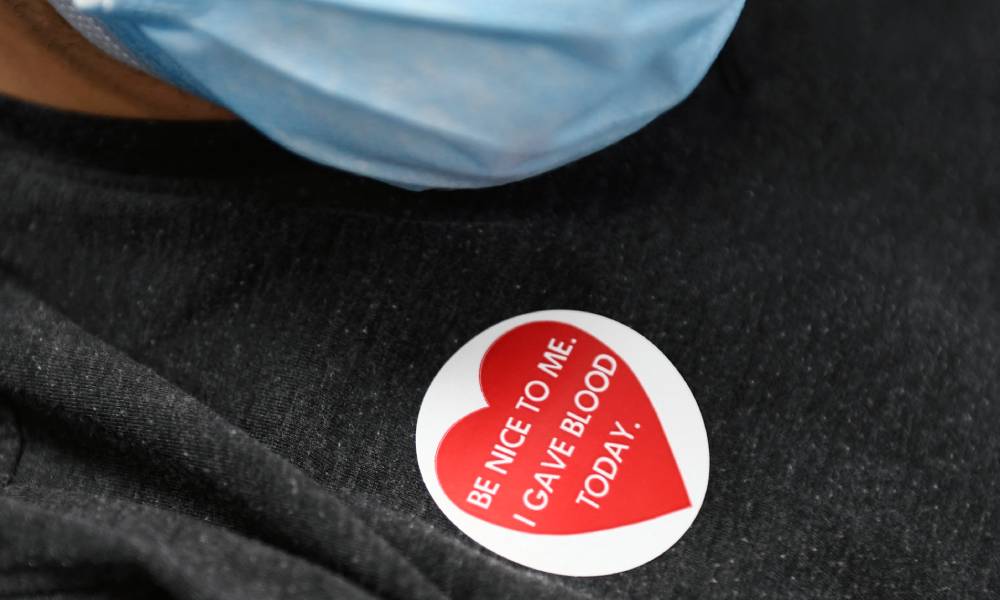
(566, 442)
(569, 443)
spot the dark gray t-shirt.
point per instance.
(212, 354)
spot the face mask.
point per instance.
(426, 93)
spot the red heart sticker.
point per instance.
(569, 442)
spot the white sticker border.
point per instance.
(455, 392)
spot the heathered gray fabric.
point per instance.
(212, 354)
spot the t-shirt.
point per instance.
(213, 354)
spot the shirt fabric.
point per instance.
(212, 353)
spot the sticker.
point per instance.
(565, 442)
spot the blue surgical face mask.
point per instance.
(425, 93)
